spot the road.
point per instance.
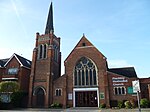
(76, 110)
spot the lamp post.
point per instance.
(138, 98)
(136, 89)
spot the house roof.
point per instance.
(3, 61)
(127, 71)
(23, 61)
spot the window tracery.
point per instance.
(85, 73)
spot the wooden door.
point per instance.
(86, 99)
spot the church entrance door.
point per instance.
(40, 98)
(86, 99)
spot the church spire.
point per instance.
(49, 26)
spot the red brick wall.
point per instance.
(92, 53)
(127, 84)
(60, 83)
(24, 78)
(44, 71)
(144, 82)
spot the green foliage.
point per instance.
(56, 105)
(133, 103)
(127, 104)
(9, 86)
(16, 98)
(103, 105)
(144, 103)
(120, 104)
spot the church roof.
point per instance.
(83, 43)
(23, 61)
(49, 26)
(127, 71)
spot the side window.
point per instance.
(40, 51)
(119, 90)
(58, 92)
(45, 50)
(56, 53)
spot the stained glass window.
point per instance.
(85, 73)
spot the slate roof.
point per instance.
(127, 71)
(23, 61)
(49, 26)
(3, 61)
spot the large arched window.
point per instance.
(85, 73)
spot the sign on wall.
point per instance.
(70, 96)
(119, 81)
(102, 96)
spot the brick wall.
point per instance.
(93, 54)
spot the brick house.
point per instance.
(16, 68)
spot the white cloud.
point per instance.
(118, 63)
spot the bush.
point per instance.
(127, 104)
(144, 103)
(120, 104)
(103, 105)
(9, 86)
(17, 98)
(133, 103)
(56, 105)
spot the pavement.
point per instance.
(75, 110)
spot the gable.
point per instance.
(21, 60)
(84, 44)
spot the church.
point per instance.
(87, 81)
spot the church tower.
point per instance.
(46, 64)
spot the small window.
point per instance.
(58, 92)
(45, 50)
(13, 71)
(83, 44)
(119, 90)
(28, 62)
(5, 98)
(40, 51)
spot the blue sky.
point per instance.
(120, 29)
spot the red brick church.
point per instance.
(87, 82)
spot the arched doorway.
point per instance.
(39, 97)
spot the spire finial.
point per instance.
(83, 35)
(49, 26)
